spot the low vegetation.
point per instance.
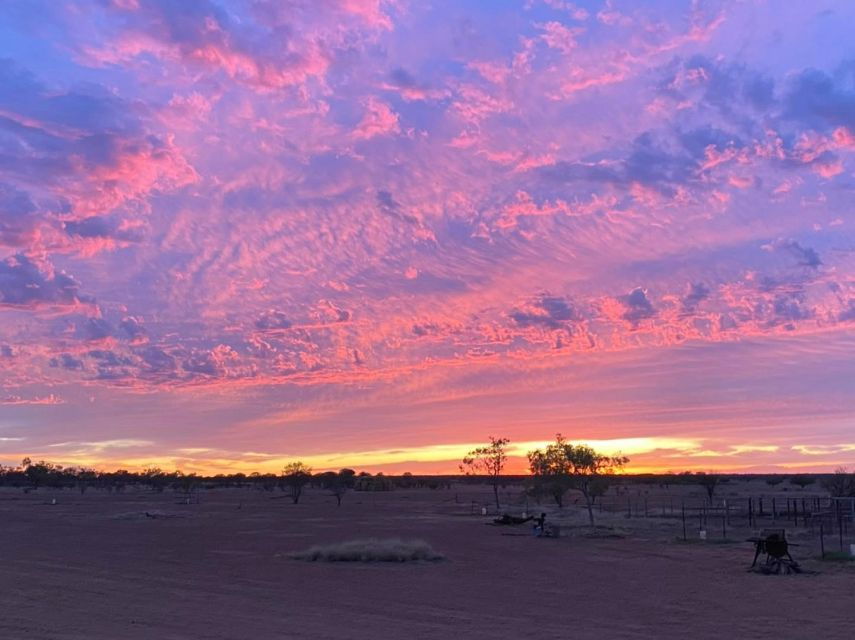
(371, 550)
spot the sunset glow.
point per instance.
(372, 233)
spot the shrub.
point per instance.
(370, 550)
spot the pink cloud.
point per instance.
(379, 120)
(34, 400)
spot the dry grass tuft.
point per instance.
(370, 550)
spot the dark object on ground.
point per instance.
(543, 530)
(773, 542)
(507, 519)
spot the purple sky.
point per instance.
(373, 232)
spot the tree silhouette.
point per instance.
(802, 480)
(841, 484)
(490, 461)
(563, 465)
(709, 481)
(295, 476)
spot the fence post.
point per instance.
(821, 541)
(774, 511)
(684, 521)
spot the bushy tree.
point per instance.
(489, 461)
(841, 484)
(562, 465)
(295, 476)
(40, 473)
(336, 483)
(802, 480)
(550, 471)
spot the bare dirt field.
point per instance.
(94, 566)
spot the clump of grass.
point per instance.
(370, 550)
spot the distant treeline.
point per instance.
(33, 475)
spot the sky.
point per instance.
(372, 233)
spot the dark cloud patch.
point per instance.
(787, 308)
(89, 108)
(425, 329)
(698, 292)
(848, 314)
(102, 227)
(819, 100)
(649, 161)
(113, 373)
(272, 320)
(202, 362)
(726, 322)
(109, 358)
(341, 315)
(111, 365)
(133, 329)
(388, 206)
(726, 86)
(97, 329)
(426, 282)
(551, 312)
(768, 284)
(600, 171)
(67, 361)
(156, 359)
(806, 256)
(17, 216)
(106, 124)
(638, 306)
(52, 137)
(22, 284)
(402, 78)
(6, 351)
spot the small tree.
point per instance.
(155, 478)
(336, 483)
(841, 484)
(599, 487)
(490, 461)
(589, 470)
(295, 476)
(84, 478)
(802, 481)
(709, 481)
